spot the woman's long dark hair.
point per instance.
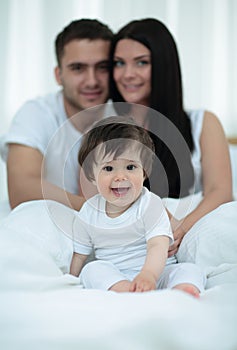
(166, 98)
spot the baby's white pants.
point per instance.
(100, 274)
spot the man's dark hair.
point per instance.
(90, 29)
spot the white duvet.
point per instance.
(43, 307)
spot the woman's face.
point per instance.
(132, 71)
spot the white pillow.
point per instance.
(233, 157)
(212, 241)
(45, 226)
(182, 206)
(4, 209)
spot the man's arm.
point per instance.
(25, 183)
(77, 263)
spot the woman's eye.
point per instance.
(142, 63)
(108, 168)
(118, 63)
(131, 167)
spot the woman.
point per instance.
(146, 71)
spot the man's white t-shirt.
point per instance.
(42, 124)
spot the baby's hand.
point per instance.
(143, 282)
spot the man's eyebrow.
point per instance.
(73, 64)
(83, 64)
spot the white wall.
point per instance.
(205, 32)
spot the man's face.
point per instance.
(84, 74)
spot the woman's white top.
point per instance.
(196, 117)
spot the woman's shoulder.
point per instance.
(202, 119)
(210, 117)
(212, 124)
(199, 115)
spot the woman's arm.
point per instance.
(216, 177)
(157, 250)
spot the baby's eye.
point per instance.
(131, 167)
(108, 168)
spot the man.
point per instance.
(41, 145)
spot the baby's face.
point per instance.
(119, 180)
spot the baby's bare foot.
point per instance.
(188, 288)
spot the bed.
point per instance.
(43, 307)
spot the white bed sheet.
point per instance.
(43, 307)
(68, 318)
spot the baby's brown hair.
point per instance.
(121, 132)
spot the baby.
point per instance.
(125, 224)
